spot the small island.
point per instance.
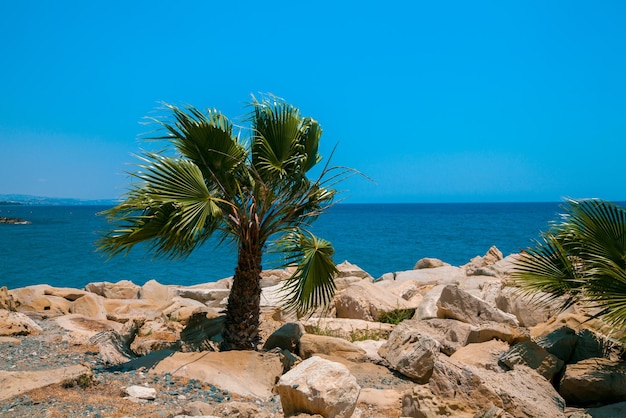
(13, 221)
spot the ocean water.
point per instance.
(58, 247)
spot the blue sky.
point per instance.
(447, 101)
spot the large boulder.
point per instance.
(286, 337)
(534, 356)
(560, 342)
(520, 392)
(525, 307)
(479, 266)
(245, 373)
(124, 289)
(318, 386)
(450, 334)
(427, 308)
(32, 299)
(156, 292)
(429, 263)
(420, 402)
(122, 310)
(410, 352)
(90, 305)
(484, 355)
(367, 301)
(457, 304)
(311, 344)
(594, 381)
(16, 323)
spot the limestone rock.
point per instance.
(318, 386)
(490, 330)
(477, 265)
(141, 392)
(124, 289)
(429, 263)
(432, 276)
(156, 292)
(596, 380)
(233, 409)
(525, 308)
(115, 346)
(6, 300)
(286, 337)
(588, 345)
(520, 392)
(484, 355)
(67, 293)
(449, 333)
(410, 352)
(17, 383)
(384, 401)
(90, 305)
(457, 304)
(367, 301)
(347, 269)
(560, 342)
(608, 411)
(123, 310)
(32, 299)
(16, 323)
(420, 402)
(81, 329)
(427, 308)
(311, 344)
(534, 356)
(245, 373)
(209, 297)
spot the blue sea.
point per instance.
(58, 247)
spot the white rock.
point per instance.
(410, 352)
(457, 304)
(16, 323)
(141, 392)
(318, 386)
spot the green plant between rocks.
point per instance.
(396, 316)
(353, 335)
(83, 381)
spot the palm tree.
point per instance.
(581, 259)
(253, 192)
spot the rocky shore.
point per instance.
(435, 341)
(13, 221)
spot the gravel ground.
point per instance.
(103, 394)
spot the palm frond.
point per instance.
(548, 270)
(206, 139)
(312, 285)
(170, 205)
(284, 143)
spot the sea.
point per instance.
(58, 247)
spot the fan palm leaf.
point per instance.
(582, 259)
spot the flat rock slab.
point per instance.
(16, 383)
(246, 373)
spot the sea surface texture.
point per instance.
(58, 247)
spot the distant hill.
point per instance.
(23, 199)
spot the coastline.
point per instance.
(464, 318)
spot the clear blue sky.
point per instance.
(438, 101)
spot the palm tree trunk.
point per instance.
(241, 325)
